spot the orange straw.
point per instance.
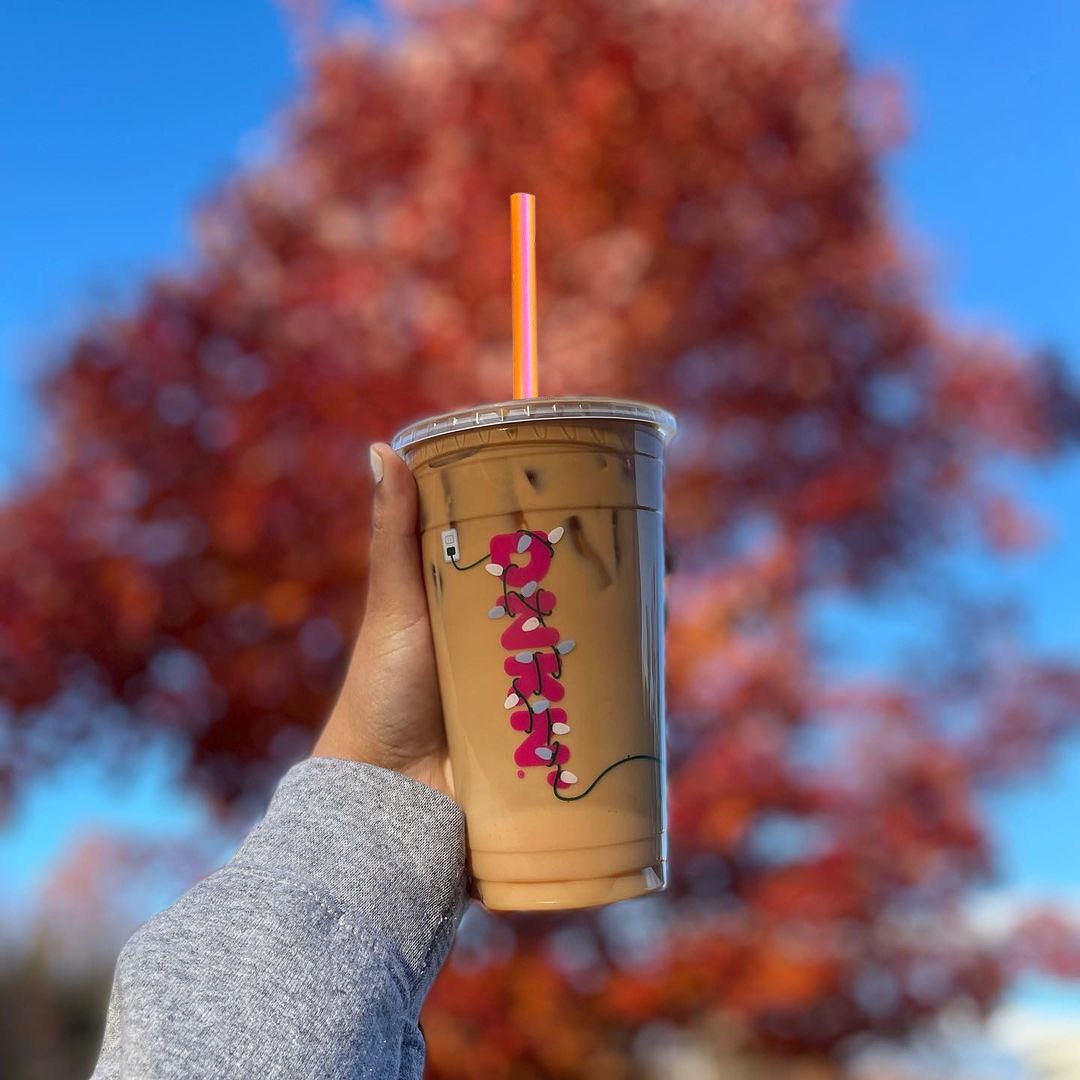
(523, 274)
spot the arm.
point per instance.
(310, 952)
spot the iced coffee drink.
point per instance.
(543, 562)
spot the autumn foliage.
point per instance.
(712, 237)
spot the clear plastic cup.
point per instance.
(543, 553)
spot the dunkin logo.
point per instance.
(521, 560)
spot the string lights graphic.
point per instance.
(542, 662)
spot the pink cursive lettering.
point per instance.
(522, 559)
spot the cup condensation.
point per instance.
(542, 543)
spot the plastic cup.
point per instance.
(542, 541)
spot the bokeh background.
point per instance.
(243, 240)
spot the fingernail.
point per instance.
(376, 466)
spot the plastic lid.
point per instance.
(533, 409)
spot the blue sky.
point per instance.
(118, 115)
(987, 186)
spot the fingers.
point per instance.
(388, 711)
(396, 589)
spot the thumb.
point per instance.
(396, 586)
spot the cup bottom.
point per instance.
(561, 895)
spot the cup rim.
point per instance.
(529, 410)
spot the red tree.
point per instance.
(713, 237)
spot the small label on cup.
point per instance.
(450, 545)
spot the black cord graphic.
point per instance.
(458, 566)
(600, 776)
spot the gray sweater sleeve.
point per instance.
(310, 952)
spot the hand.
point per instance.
(389, 712)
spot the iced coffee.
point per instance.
(543, 563)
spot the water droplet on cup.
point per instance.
(494, 569)
(523, 543)
(560, 729)
(531, 624)
(565, 646)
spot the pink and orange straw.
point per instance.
(523, 275)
